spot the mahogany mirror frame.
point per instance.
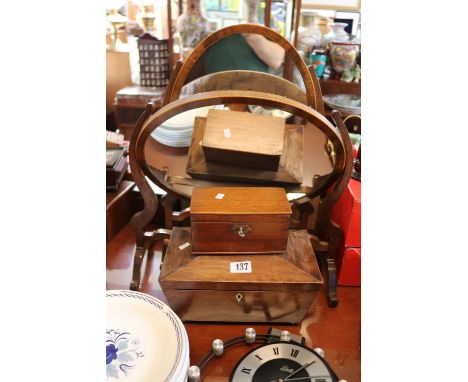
(149, 122)
(182, 70)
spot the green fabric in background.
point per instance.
(233, 53)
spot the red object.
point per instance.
(349, 268)
(347, 214)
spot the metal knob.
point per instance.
(218, 347)
(194, 374)
(320, 352)
(250, 335)
(285, 336)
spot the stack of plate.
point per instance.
(145, 340)
(345, 103)
(177, 131)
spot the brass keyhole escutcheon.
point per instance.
(239, 297)
(241, 229)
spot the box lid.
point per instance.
(240, 201)
(297, 269)
(244, 132)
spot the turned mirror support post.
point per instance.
(138, 222)
(327, 230)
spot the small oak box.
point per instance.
(239, 220)
(278, 287)
(243, 139)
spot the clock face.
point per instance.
(282, 362)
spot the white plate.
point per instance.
(177, 131)
(171, 141)
(160, 132)
(182, 375)
(185, 119)
(183, 143)
(346, 103)
(145, 340)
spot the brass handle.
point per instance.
(241, 229)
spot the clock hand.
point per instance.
(304, 378)
(297, 371)
(293, 379)
(300, 379)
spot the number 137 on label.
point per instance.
(241, 267)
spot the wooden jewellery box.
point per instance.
(239, 220)
(243, 139)
(240, 288)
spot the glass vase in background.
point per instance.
(337, 34)
(309, 37)
(344, 55)
(192, 27)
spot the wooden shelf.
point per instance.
(340, 87)
(129, 104)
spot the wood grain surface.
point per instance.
(183, 270)
(262, 234)
(218, 214)
(262, 134)
(289, 171)
(281, 287)
(239, 201)
(245, 80)
(254, 306)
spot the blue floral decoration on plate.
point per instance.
(121, 353)
(114, 371)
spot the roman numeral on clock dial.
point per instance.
(246, 371)
(259, 358)
(276, 351)
(294, 353)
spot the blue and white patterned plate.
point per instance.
(145, 340)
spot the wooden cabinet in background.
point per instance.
(340, 87)
(129, 104)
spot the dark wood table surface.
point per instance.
(335, 330)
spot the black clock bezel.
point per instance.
(330, 370)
